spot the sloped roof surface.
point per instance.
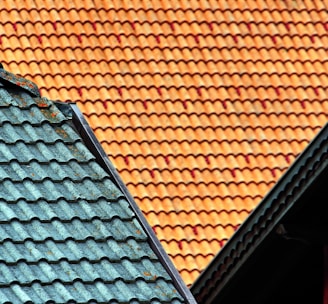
(67, 233)
(201, 105)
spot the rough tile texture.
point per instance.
(67, 233)
(201, 105)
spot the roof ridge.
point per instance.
(23, 83)
(51, 211)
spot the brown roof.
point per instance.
(201, 105)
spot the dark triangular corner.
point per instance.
(279, 254)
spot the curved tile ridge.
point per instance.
(33, 252)
(171, 24)
(105, 292)
(47, 211)
(189, 46)
(75, 229)
(281, 62)
(84, 270)
(30, 86)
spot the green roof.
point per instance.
(67, 231)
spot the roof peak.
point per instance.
(22, 82)
(71, 211)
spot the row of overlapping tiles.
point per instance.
(201, 105)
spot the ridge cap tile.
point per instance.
(24, 83)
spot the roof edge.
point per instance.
(300, 175)
(95, 147)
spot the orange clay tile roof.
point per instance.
(201, 105)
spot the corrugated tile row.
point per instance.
(201, 105)
(83, 271)
(32, 253)
(67, 233)
(46, 211)
(85, 292)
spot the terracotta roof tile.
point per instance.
(201, 105)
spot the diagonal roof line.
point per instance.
(275, 205)
(94, 146)
(62, 214)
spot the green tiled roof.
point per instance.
(67, 232)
